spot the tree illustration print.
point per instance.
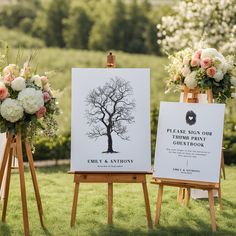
(110, 109)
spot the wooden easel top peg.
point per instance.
(111, 60)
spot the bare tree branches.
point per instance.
(109, 108)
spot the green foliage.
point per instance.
(98, 25)
(17, 39)
(56, 14)
(77, 28)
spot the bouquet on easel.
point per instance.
(203, 69)
(26, 100)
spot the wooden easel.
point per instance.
(110, 178)
(184, 184)
(14, 144)
(184, 193)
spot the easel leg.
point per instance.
(187, 196)
(5, 156)
(212, 210)
(219, 198)
(75, 201)
(5, 200)
(158, 207)
(180, 195)
(147, 204)
(22, 183)
(110, 203)
(34, 179)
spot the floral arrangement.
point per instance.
(203, 69)
(26, 100)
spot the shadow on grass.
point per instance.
(106, 230)
(4, 230)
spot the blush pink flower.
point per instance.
(40, 113)
(46, 97)
(195, 62)
(44, 80)
(177, 77)
(206, 63)
(197, 54)
(3, 92)
(211, 71)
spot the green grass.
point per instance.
(56, 187)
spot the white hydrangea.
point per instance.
(191, 81)
(12, 110)
(218, 76)
(233, 81)
(36, 79)
(31, 100)
(18, 84)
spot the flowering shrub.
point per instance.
(214, 20)
(26, 100)
(203, 68)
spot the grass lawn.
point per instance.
(56, 187)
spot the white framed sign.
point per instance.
(110, 130)
(189, 141)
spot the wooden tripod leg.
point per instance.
(158, 207)
(180, 195)
(212, 210)
(5, 201)
(34, 179)
(5, 156)
(75, 201)
(187, 196)
(110, 203)
(22, 182)
(147, 204)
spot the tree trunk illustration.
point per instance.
(109, 139)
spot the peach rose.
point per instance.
(197, 54)
(211, 71)
(10, 72)
(44, 80)
(206, 62)
(40, 113)
(3, 92)
(195, 62)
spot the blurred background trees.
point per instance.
(128, 26)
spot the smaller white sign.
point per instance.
(189, 141)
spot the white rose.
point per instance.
(31, 99)
(11, 110)
(36, 79)
(191, 81)
(219, 75)
(186, 71)
(233, 81)
(212, 53)
(18, 84)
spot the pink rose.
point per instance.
(40, 113)
(197, 54)
(44, 80)
(8, 78)
(195, 62)
(46, 97)
(206, 62)
(211, 71)
(3, 92)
